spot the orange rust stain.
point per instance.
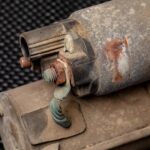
(117, 77)
(59, 68)
(113, 49)
(125, 42)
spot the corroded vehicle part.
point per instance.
(11, 130)
(106, 46)
(28, 124)
(60, 93)
(111, 120)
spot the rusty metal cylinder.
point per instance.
(107, 46)
(119, 34)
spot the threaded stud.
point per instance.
(50, 75)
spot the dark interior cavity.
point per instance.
(24, 47)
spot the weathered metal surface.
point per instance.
(114, 50)
(126, 138)
(41, 128)
(51, 147)
(11, 131)
(108, 51)
(61, 77)
(111, 53)
(42, 40)
(109, 119)
(46, 41)
(115, 21)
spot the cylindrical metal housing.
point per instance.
(107, 46)
(119, 34)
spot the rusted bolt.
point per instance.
(55, 73)
(25, 62)
(59, 68)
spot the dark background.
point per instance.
(17, 16)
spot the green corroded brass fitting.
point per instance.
(49, 75)
(58, 115)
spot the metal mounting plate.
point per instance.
(40, 126)
(111, 120)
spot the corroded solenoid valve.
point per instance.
(97, 50)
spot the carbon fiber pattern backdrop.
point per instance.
(17, 16)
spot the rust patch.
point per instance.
(60, 71)
(59, 68)
(113, 50)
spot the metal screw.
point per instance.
(50, 75)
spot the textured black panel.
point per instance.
(22, 15)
